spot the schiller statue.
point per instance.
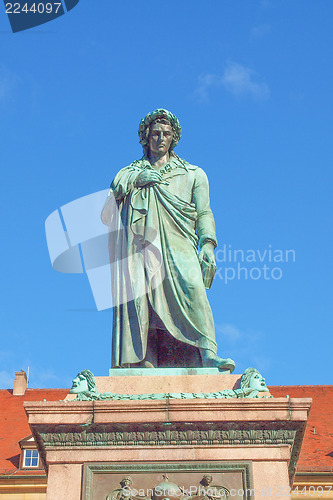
(158, 212)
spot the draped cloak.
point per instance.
(154, 235)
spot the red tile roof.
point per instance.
(316, 454)
(14, 425)
(317, 449)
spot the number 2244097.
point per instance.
(36, 8)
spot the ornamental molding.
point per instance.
(205, 437)
(193, 434)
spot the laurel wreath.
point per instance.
(150, 117)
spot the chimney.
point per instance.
(20, 383)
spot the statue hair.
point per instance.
(90, 380)
(246, 377)
(159, 116)
(126, 478)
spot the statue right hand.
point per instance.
(148, 177)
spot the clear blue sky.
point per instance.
(251, 83)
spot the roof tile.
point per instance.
(14, 423)
(317, 449)
(316, 454)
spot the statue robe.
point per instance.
(154, 235)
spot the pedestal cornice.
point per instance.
(209, 423)
(169, 410)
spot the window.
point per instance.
(30, 458)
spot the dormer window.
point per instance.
(29, 454)
(31, 458)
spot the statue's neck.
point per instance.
(158, 161)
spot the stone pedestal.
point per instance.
(248, 446)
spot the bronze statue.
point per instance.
(158, 213)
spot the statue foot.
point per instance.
(148, 364)
(209, 359)
(141, 364)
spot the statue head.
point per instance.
(126, 482)
(253, 379)
(83, 382)
(206, 480)
(159, 116)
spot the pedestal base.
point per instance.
(250, 446)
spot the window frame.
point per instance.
(30, 450)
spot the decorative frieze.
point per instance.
(206, 437)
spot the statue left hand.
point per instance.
(207, 253)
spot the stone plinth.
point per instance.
(164, 380)
(88, 446)
(152, 380)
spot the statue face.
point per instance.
(206, 480)
(258, 383)
(126, 482)
(79, 384)
(160, 138)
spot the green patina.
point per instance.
(158, 213)
(252, 383)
